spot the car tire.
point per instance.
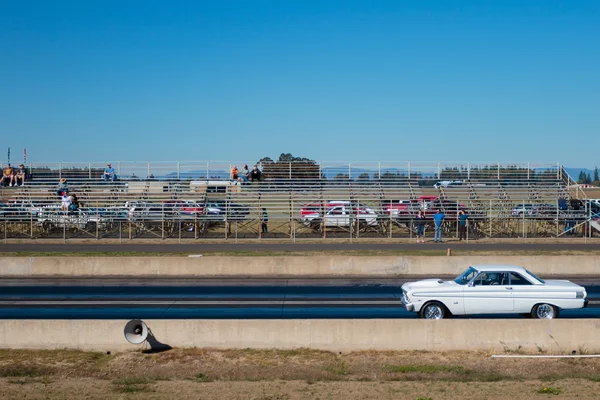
(544, 311)
(433, 310)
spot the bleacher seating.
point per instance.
(489, 193)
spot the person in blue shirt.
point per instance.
(109, 173)
(438, 219)
(462, 225)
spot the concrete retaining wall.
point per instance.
(287, 266)
(333, 335)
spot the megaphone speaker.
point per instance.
(136, 331)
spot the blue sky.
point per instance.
(365, 80)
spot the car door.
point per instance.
(525, 293)
(489, 293)
(337, 216)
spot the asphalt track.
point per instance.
(219, 298)
(290, 247)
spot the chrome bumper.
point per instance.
(409, 306)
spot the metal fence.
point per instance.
(294, 219)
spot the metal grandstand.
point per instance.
(198, 200)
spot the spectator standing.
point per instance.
(420, 224)
(264, 219)
(438, 219)
(109, 173)
(463, 220)
(8, 175)
(63, 186)
(21, 175)
(255, 174)
(234, 173)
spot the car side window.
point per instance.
(491, 279)
(337, 211)
(516, 279)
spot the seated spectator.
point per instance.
(63, 186)
(109, 173)
(65, 201)
(234, 173)
(255, 174)
(74, 206)
(245, 176)
(8, 175)
(21, 175)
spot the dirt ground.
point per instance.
(295, 374)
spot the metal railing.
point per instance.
(312, 171)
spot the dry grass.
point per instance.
(291, 374)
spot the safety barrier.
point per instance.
(297, 266)
(553, 336)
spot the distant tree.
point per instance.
(581, 178)
(596, 177)
(289, 167)
(364, 177)
(588, 179)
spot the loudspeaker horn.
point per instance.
(136, 331)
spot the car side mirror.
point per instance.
(471, 284)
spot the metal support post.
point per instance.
(524, 231)
(490, 218)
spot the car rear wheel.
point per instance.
(433, 310)
(544, 311)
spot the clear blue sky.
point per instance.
(443, 80)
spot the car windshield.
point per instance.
(466, 276)
(535, 276)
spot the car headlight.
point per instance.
(579, 295)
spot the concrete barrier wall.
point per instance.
(287, 266)
(333, 335)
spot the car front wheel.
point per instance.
(433, 310)
(544, 311)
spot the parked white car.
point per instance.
(492, 289)
(338, 214)
(445, 184)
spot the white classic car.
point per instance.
(492, 289)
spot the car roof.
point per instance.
(500, 267)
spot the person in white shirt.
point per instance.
(66, 201)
